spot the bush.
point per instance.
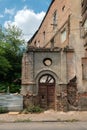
(3, 110)
(13, 88)
(3, 87)
(34, 109)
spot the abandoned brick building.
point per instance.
(54, 67)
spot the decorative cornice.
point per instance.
(36, 49)
(68, 49)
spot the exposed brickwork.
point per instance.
(60, 41)
(82, 101)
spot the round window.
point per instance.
(47, 62)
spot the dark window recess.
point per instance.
(84, 68)
(52, 43)
(54, 19)
(43, 96)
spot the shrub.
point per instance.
(13, 88)
(3, 110)
(34, 109)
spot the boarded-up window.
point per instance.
(63, 35)
(84, 68)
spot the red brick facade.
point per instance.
(60, 42)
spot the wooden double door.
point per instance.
(47, 93)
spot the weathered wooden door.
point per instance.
(47, 92)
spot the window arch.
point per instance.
(47, 78)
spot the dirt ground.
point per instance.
(49, 115)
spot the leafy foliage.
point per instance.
(11, 50)
(13, 87)
(34, 109)
(3, 110)
(4, 65)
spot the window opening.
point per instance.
(54, 19)
(63, 35)
(47, 79)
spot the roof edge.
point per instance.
(41, 22)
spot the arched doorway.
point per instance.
(47, 91)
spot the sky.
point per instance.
(26, 14)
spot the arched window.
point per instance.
(47, 79)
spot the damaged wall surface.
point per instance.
(54, 67)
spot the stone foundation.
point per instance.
(61, 103)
